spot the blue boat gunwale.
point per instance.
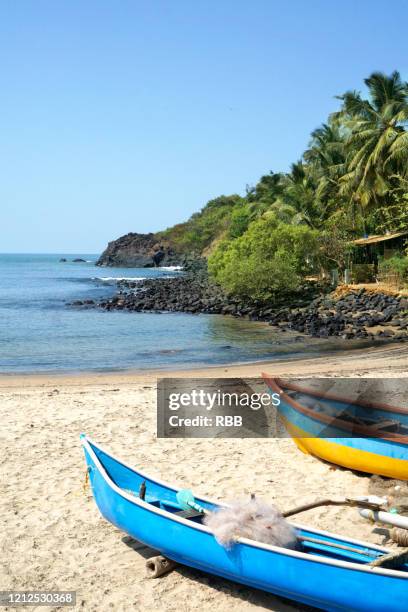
(86, 442)
(336, 397)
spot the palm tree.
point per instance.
(327, 156)
(377, 143)
(300, 194)
(265, 193)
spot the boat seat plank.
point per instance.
(189, 514)
(384, 424)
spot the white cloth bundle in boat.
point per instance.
(251, 519)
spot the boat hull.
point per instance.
(352, 453)
(294, 575)
(327, 441)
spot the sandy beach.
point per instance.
(53, 536)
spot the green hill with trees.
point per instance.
(351, 181)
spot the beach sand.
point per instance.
(53, 536)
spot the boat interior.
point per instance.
(323, 546)
(174, 508)
(373, 420)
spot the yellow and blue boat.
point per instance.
(358, 435)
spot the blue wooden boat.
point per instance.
(329, 572)
(358, 435)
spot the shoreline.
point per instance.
(347, 312)
(388, 360)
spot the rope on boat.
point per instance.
(399, 536)
(392, 560)
(157, 566)
(85, 483)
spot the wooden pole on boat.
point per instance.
(157, 566)
(392, 560)
(348, 501)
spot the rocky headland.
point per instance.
(140, 251)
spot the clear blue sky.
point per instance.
(129, 115)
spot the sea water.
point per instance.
(40, 332)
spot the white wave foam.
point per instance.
(171, 268)
(115, 279)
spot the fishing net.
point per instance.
(251, 519)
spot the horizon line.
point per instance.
(46, 253)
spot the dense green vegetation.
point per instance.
(196, 234)
(352, 180)
(397, 264)
(241, 267)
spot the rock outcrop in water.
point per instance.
(140, 251)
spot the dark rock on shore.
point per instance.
(357, 314)
(180, 294)
(193, 292)
(311, 310)
(82, 303)
(140, 251)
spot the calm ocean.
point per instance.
(40, 333)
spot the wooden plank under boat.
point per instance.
(329, 572)
(359, 435)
